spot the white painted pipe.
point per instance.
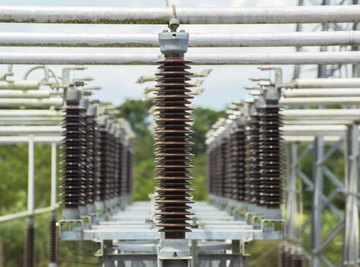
(320, 92)
(308, 114)
(315, 58)
(326, 83)
(31, 102)
(196, 40)
(20, 85)
(309, 139)
(320, 100)
(9, 140)
(35, 130)
(24, 94)
(318, 122)
(314, 130)
(201, 15)
(30, 113)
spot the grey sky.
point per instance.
(223, 85)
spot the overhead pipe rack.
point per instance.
(55, 39)
(120, 58)
(203, 15)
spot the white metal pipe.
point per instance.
(196, 40)
(53, 174)
(10, 140)
(320, 100)
(314, 58)
(31, 102)
(320, 92)
(309, 139)
(201, 15)
(326, 83)
(30, 113)
(321, 130)
(324, 114)
(25, 214)
(319, 122)
(35, 130)
(31, 181)
(24, 94)
(20, 85)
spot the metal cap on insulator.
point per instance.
(91, 110)
(172, 41)
(72, 96)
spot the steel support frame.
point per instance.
(348, 222)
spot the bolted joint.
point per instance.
(174, 42)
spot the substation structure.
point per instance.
(247, 149)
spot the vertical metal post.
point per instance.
(351, 238)
(29, 247)
(291, 190)
(53, 232)
(317, 201)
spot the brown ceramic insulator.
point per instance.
(103, 164)
(116, 166)
(228, 168)
(111, 165)
(72, 193)
(53, 240)
(97, 162)
(239, 163)
(211, 170)
(270, 156)
(90, 160)
(129, 177)
(83, 137)
(30, 246)
(296, 261)
(119, 166)
(124, 180)
(253, 166)
(173, 141)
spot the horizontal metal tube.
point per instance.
(31, 102)
(24, 94)
(320, 100)
(201, 15)
(29, 113)
(8, 140)
(314, 130)
(321, 114)
(196, 40)
(200, 59)
(320, 92)
(326, 83)
(319, 122)
(25, 214)
(309, 139)
(20, 130)
(21, 85)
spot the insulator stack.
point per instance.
(129, 171)
(30, 244)
(239, 163)
(97, 162)
(229, 170)
(103, 164)
(72, 160)
(119, 166)
(270, 156)
(83, 162)
(124, 172)
(211, 171)
(53, 240)
(90, 161)
(173, 146)
(253, 166)
(297, 260)
(116, 166)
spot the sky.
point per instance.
(224, 84)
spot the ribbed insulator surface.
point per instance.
(129, 177)
(229, 168)
(90, 158)
(239, 163)
(72, 157)
(116, 167)
(119, 166)
(53, 241)
(83, 147)
(270, 156)
(296, 260)
(103, 164)
(285, 257)
(97, 162)
(253, 166)
(211, 170)
(124, 172)
(173, 147)
(30, 246)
